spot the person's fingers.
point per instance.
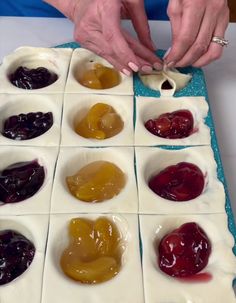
(118, 66)
(202, 42)
(174, 11)
(115, 63)
(215, 50)
(190, 24)
(110, 22)
(139, 19)
(214, 53)
(148, 57)
(97, 44)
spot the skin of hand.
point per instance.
(193, 24)
(98, 28)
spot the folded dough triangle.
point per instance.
(173, 76)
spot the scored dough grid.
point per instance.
(195, 88)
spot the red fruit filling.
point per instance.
(185, 251)
(175, 125)
(181, 182)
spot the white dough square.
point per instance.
(78, 105)
(152, 160)
(81, 58)
(56, 60)
(39, 203)
(125, 287)
(14, 104)
(151, 108)
(27, 286)
(71, 160)
(161, 288)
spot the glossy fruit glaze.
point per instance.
(94, 252)
(96, 182)
(27, 126)
(176, 125)
(181, 182)
(101, 122)
(100, 77)
(16, 255)
(184, 252)
(35, 78)
(20, 181)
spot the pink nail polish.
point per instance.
(126, 72)
(133, 66)
(146, 69)
(158, 66)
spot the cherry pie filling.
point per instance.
(176, 125)
(181, 182)
(184, 252)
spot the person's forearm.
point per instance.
(66, 7)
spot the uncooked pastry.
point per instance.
(155, 79)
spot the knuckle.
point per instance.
(124, 54)
(185, 39)
(171, 11)
(200, 48)
(101, 53)
(132, 44)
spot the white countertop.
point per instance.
(220, 76)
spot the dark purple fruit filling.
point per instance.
(34, 78)
(20, 181)
(16, 255)
(27, 126)
(176, 125)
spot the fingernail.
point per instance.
(157, 66)
(126, 72)
(146, 69)
(167, 53)
(170, 64)
(133, 66)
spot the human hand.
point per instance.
(193, 25)
(97, 27)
